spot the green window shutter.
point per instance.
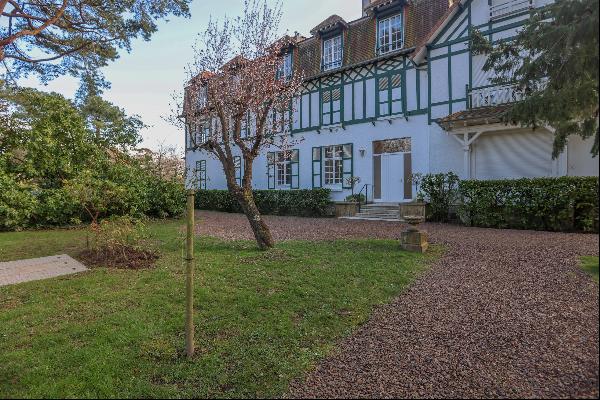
(201, 174)
(271, 169)
(348, 166)
(237, 162)
(316, 167)
(295, 162)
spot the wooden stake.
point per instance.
(189, 278)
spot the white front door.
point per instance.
(392, 177)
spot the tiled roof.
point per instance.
(474, 117)
(434, 28)
(328, 24)
(360, 41)
(377, 3)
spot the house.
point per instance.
(398, 92)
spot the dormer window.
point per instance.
(285, 68)
(202, 97)
(332, 53)
(390, 34)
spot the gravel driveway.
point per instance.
(503, 314)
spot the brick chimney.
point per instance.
(365, 4)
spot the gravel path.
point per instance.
(503, 314)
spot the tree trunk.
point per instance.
(262, 233)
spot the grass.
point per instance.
(262, 319)
(590, 265)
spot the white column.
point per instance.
(467, 156)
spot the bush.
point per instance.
(303, 203)
(441, 192)
(122, 190)
(359, 198)
(552, 204)
(17, 203)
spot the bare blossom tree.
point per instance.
(237, 102)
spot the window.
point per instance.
(284, 169)
(332, 103)
(237, 164)
(202, 97)
(202, 134)
(390, 94)
(201, 174)
(332, 53)
(334, 165)
(245, 127)
(285, 69)
(390, 34)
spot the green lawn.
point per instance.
(262, 319)
(590, 265)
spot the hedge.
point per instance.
(24, 205)
(301, 203)
(550, 204)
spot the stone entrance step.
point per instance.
(378, 212)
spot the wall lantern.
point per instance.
(362, 152)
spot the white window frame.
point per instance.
(285, 68)
(333, 53)
(389, 40)
(333, 166)
(202, 97)
(283, 169)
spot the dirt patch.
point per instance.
(122, 257)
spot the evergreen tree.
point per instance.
(53, 38)
(554, 62)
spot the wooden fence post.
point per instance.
(189, 283)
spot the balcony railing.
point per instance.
(502, 8)
(494, 95)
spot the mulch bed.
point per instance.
(503, 313)
(123, 257)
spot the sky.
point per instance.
(144, 80)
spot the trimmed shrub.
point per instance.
(551, 204)
(302, 203)
(440, 191)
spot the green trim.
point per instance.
(447, 27)
(295, 176)
(238, 170)
(347, 174)
(449, 80)
(201, 170)
(271, 170)
(458, 26)
(428, 86)
(319, 162)
(453, 53)
(470, 52)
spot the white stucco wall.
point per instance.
(579, 158)
(433, 150)
(362, 137)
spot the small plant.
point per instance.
(416, 180)
(352, 182)
(121, 242)
(359, 198)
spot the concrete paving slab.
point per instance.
(34, 269)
